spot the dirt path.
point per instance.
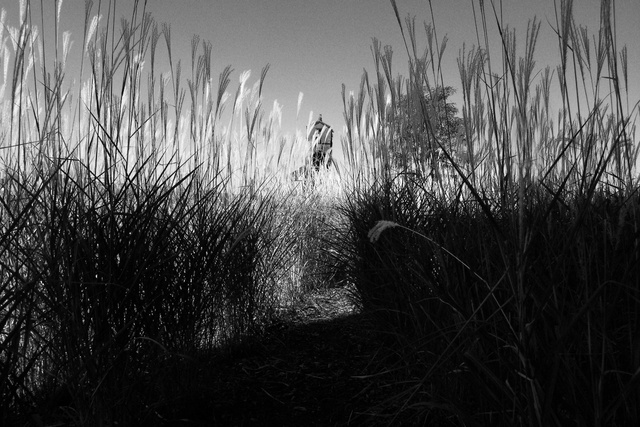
(315, 371)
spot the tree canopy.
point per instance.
(421, 117)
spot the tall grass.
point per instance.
(145, 221)
(148, 216)
(509, 292)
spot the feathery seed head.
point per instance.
(92, 30)
(375, 233)
(300, 96)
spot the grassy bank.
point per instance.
(149, 217)
(510, 290)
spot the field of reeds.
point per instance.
(510, 288)
(148, 216)
(145, 218)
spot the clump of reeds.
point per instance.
(138, 231)
(508, 294)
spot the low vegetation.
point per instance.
(509, 290)
(147, 223)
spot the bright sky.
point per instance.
(315, 47)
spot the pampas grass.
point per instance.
(146, 219)
(149, 216)
(503, 291)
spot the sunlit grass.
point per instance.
(150, 213)
(147, 216)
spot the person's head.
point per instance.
(320, 117)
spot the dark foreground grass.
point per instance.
(105, 285)
(499, 326)
(510, 290)
(134, 250)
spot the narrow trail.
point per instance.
(315, 370)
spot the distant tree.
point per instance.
(412, 116)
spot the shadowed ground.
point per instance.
(313, 370)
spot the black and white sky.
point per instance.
(313, 47)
